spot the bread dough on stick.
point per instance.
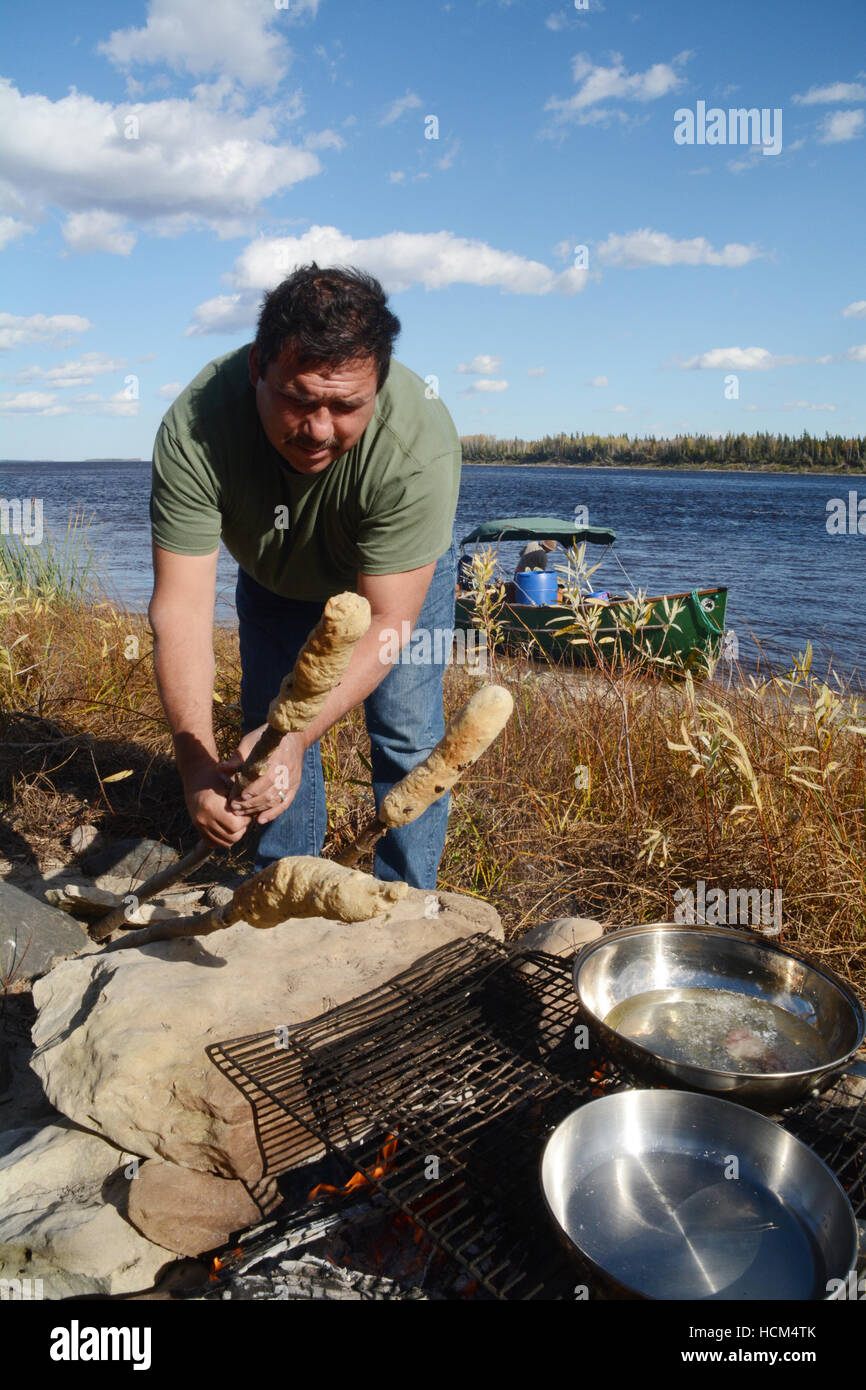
(303, 886)
(296, 887)
(321, 663)
(468, 734)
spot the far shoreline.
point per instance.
(669, 468)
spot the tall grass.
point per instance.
(58, 568)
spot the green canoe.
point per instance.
(682, 630)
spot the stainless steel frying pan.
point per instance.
(621, 978)
(673, 1195)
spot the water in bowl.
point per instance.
(719, 1029)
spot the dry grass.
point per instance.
(761, 786)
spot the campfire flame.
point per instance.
(384, 1163)
(219, 1264)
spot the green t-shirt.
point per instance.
(386, 506)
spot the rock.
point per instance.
(130, 859)
(192, 1212)
(120, 1038)
(60, 1190)
(89, 901)
(83, 838)
(219, 895)
(34, 936)
(564, 936)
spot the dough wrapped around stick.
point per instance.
(321, 663)
(306, 887)
(468, 734)
(300, 886)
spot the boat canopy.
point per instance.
(539, 528)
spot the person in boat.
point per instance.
(323, 466)
(534, 555)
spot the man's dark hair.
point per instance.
(330, 315)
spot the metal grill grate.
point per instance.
(468, 1058)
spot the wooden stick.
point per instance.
(320, 666)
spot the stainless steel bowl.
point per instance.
(636, 960)
(669, 1195)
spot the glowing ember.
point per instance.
(219, 1264)
(384, 1163)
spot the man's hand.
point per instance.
(269, 795)
(205, 790)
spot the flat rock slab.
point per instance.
(61, 1194)
(34, 936)
(121, 1038)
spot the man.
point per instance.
(533, 556)
(323, 466)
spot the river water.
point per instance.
(765, 536)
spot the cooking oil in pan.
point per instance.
(719, 1029)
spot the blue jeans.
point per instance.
(403, 714)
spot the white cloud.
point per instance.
(646, 247)
(805, 405)
(617, 409)
(226, 313)
(170, 390)
(484, 385)
(21, 331)
(556, 21)
(193, 161)
(599, 381)
(79, 372)
(854, 354)
(324, 140)
(857, 310)
(737, 359)
(43, 403)
(10, 228)
(98, 231)
(396, 176)
(398, 259)
(841, 125)
(481, 365)
(240, 38)
(836, 91)
(26, 403)
(536, 371)
(753, 157)
(597, 83)
(398, 108)
(449, 156)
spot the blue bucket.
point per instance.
(537, 587)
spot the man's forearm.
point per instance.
(184, 668)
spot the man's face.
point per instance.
(312, 417)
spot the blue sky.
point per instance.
(164, 162)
